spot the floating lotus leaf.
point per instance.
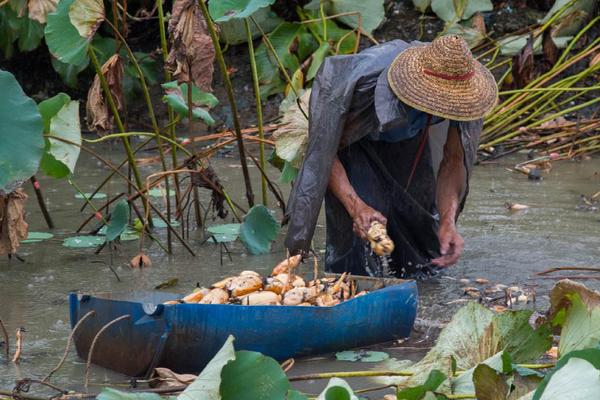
(34, 237)
(80, 242)
(224, 233)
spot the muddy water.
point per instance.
(502, 247)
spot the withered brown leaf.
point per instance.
(39, 9)
(192, 53)
(99, 116)
(522, 70)
(13, 227)
(549, 48)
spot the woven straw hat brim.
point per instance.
(465, 100)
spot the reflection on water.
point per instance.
(502, 247)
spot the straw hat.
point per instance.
(442, 78)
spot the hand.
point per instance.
(363, 216)
(451, 245)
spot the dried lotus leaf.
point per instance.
(242, 285)
(215, 296)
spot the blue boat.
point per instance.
(184, 337)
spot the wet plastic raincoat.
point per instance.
(351, 110)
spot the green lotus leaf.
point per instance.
(63, 40)
(258, 230)
(119, 218)
(225, 10)
(34, 237)
(224, 233)
(21, 134)
(253, 376)
(80, 242)
(207, 385)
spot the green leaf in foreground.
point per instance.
(476, 334)
(118, 220)
(361, 356)
(224, 233)
(258, 230)
(576, 309)
(337, 389)
(576, 377)
(295, 395)
(434, 380)
(34, 237)
(489, 383)
(207, 384)
(63, 40)
(81, 242)
(253, 376)
(21, 134)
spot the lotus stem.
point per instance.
(128, 134)
(259, 113)
(550, 89)
(232, 102)
(117, 117)
(170, 113)
(349, 374)
(40, 199)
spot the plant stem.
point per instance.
(117, 117)
(349, 374)
(232, 103)
(259, 114)
(170, 113)
(41, 202)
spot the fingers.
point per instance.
(451, 250)
(377, 216)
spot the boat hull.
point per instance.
(184, 337)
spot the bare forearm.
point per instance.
(341, 188)
(451, 178)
